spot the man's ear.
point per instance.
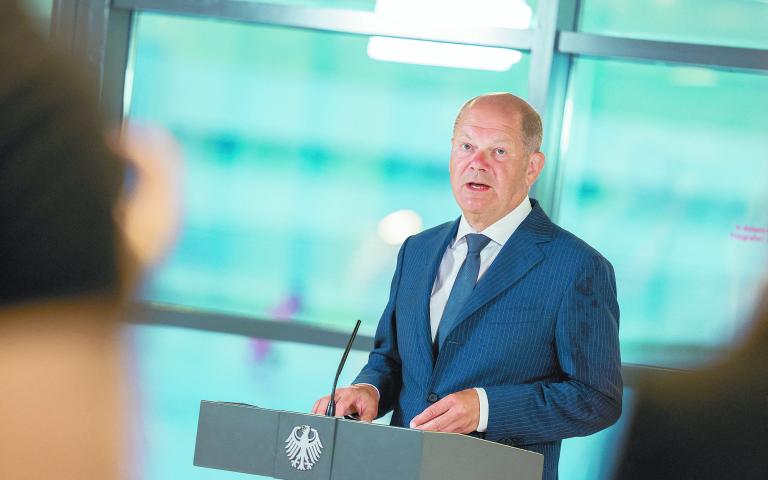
(535, 165)
(149, 212)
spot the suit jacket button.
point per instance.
(432, 397)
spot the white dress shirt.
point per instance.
(452, 260)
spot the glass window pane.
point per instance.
(664, 172)
(298, 145)
(739, 23)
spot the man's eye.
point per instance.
(465, 146)
(500, 151)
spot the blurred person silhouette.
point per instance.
(74, 237)
(709, 424)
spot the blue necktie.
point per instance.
(462, 287)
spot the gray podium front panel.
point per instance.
(376, 452)
(248, 439)
(451, 455)
(296, 446)
(232, 437)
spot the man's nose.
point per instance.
(479, 161)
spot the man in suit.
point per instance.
(499, 324)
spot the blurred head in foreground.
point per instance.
(81, 216)
(709, 424)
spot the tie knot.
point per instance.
(476, 242)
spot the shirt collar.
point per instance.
(500, 231)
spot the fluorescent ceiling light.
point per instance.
(442, 54)
(494, 13)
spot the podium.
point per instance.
(287, 445)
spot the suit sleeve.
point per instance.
(588, 397)
(383, 369)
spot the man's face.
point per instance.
(491, 169)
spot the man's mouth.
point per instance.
(477, 187)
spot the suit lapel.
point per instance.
(432, 260)
(518, 256)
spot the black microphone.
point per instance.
(330, 411)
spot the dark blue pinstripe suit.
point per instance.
(539, 333)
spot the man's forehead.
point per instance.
(482, 120)
(471, 131)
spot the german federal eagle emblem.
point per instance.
(303, 447)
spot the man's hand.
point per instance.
(457, 413)
(360, 399)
